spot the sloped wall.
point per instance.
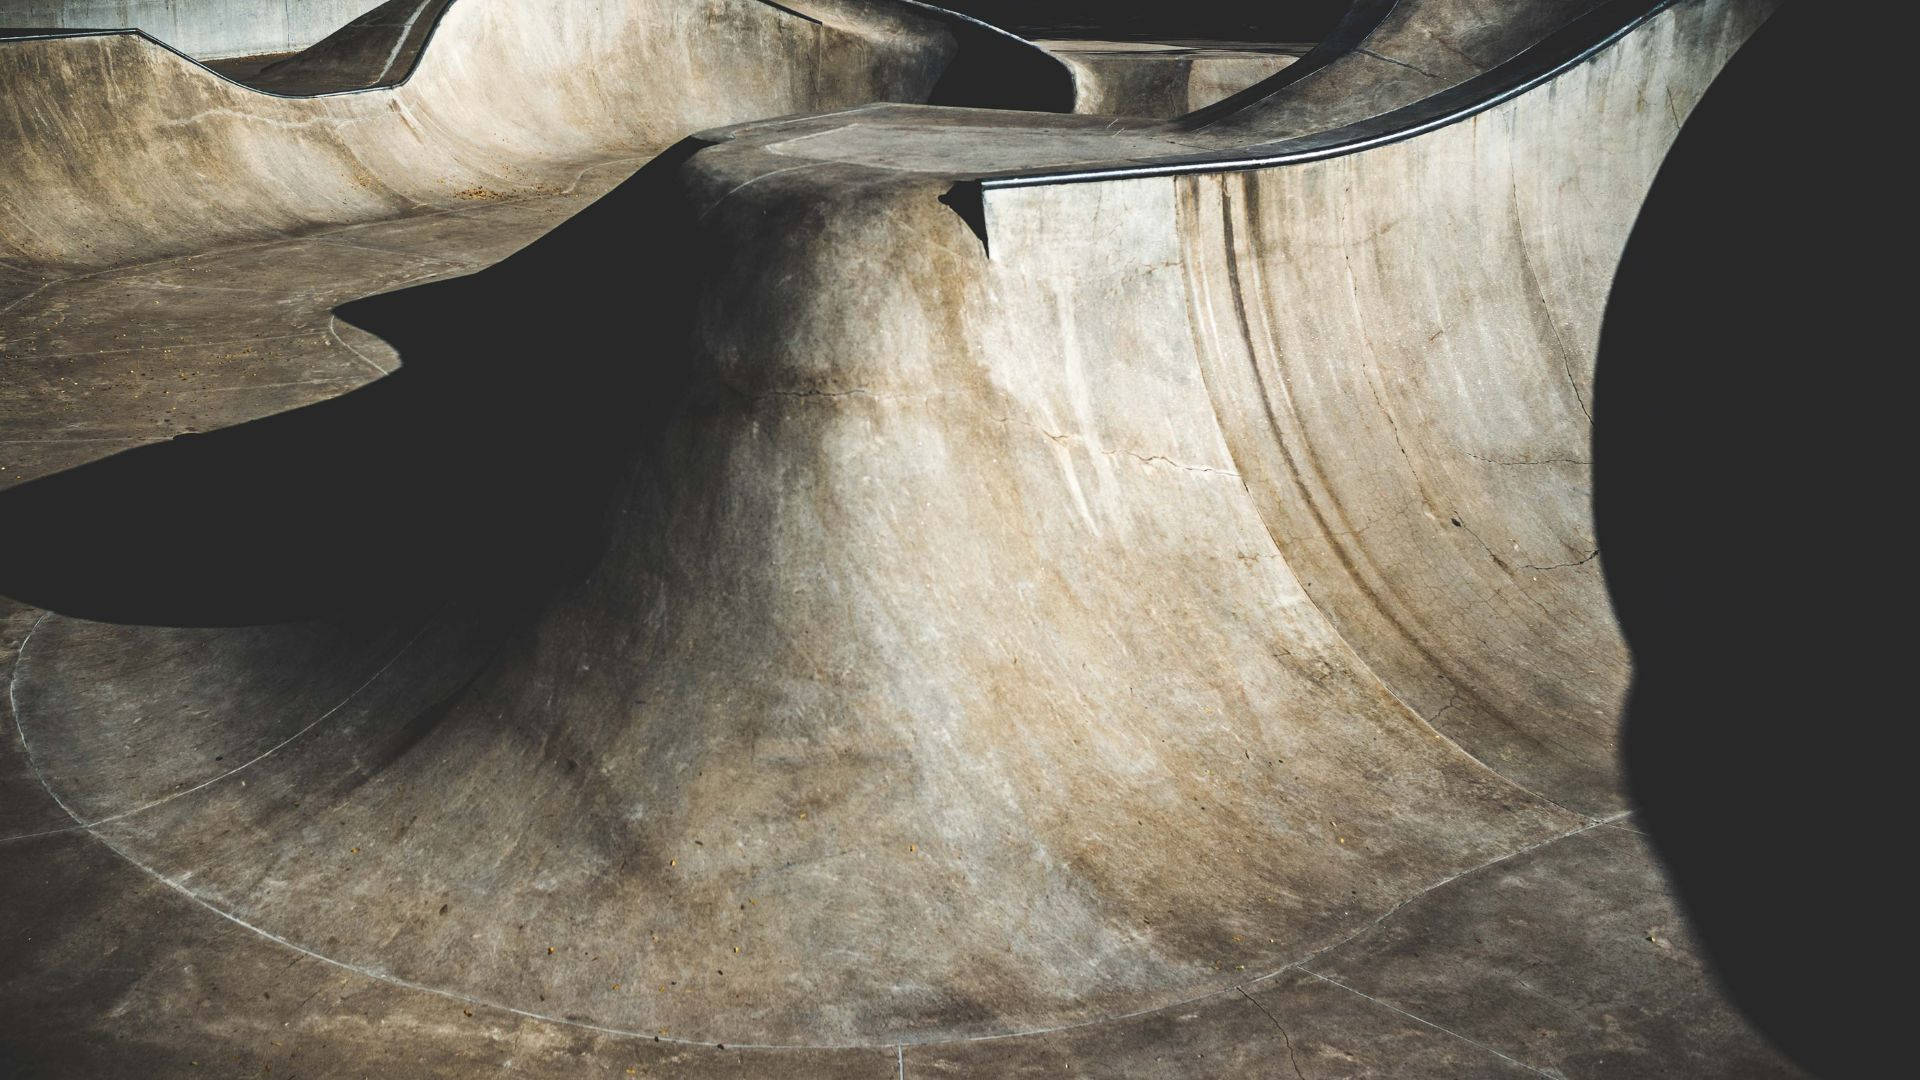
(204, 29)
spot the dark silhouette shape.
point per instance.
(1737, 530)
(483, 467)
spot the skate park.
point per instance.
(841, 538)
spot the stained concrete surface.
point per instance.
(99, 363)
(101, 180)
(1166, 78)
(1577, 964)
(1567, 959)
(824, 767)
(200, 28)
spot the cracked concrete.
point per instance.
(876, 737)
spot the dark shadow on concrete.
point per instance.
(994, 70)
(482, 468)
(1742, 532)
(1151, 20)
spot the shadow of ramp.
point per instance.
(1733, 516)
(482, 467)
(379, 48)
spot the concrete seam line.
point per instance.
(333, 322)
(1434, 1026)
(20, 729)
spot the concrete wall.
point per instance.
(204, 29)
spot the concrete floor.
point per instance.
(1566, 959)
(102, 362)
(970, 683)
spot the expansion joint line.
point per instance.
(80, 825)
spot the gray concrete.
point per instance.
(107, 208)
(1169, 78)
(101, 180)
(204, 29)
(1146, 628)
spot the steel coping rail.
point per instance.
(1352, 32)
(1565, 48)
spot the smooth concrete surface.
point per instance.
(108, 214)
(100, 363)
(1143, 628)
(1413, 51)
(506, 100)
(1567, 959)
(203, 29)
(1165, 79)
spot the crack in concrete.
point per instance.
(20, 730)
(1293, 1056)
(1587, 558)
(385, 977)
(1445, 1031)
(1435, 37)
(1524, 461)
(1151, 458)
(1396, 63)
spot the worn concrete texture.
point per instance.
(1148, 627)
(1166, 79)
(134, 217)
(204, 29)
(508, 101)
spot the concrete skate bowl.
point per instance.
(146, 192)
(378, 48)
(124, 138)
(1080, 576)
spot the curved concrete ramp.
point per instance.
(214, 29)
(1107, 627)
(1165, 79)
(379, 48)
(172, 242)
(507, 100)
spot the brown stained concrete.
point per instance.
(1403, 399)
(505, 100)
(995, 665)
(1569, 959)
(133, 308)
(1593, 901)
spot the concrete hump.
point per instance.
(910, 583)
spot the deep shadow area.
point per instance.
(379, 48)
(994, 71)
(482, 468)
(1741, 522)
